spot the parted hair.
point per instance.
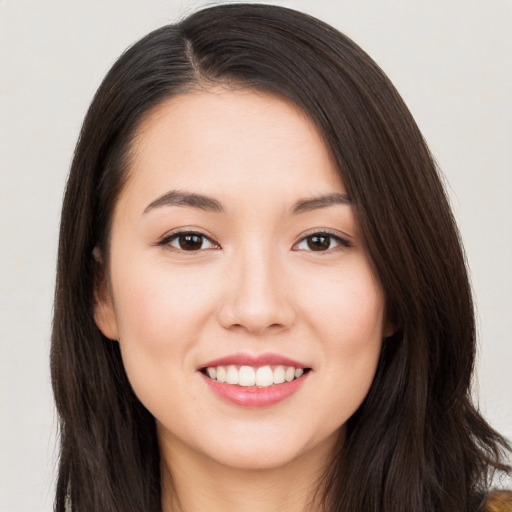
(417, 443)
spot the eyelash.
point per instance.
(166, 241)
(342, 243)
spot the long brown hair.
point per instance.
(417, 443)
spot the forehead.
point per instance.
(227, 142)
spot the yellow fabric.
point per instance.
(499, 501)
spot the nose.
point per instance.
(256, 297)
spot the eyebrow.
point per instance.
(307, 205)
(178, 198)
(202, 202)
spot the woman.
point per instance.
(261, 300)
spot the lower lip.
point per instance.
(253, 396)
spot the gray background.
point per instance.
(450, 59)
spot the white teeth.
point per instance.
(221, 374)
(279, 375)
(264, 377)
(232, 375)
(247, 376)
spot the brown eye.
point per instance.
(322, 242)
(189, 241)
(319, 242)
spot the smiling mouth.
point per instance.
(249, 376)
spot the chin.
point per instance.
(271, 451)
(266, 458)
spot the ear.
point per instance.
(104, 313)
(388, 329)
(389, 326)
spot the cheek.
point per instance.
(160, 315)
(348, 318)
(157, 306)
(349, 309)
(359, 326)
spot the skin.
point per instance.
(254, 286)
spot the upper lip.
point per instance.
(255, 360)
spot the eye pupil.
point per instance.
(190, 242)
(319, 242)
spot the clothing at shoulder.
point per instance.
(499, 501)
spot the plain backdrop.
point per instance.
(450, 59)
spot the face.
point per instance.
(248, 315)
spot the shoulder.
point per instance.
(499, 501)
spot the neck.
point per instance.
(193, 483)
